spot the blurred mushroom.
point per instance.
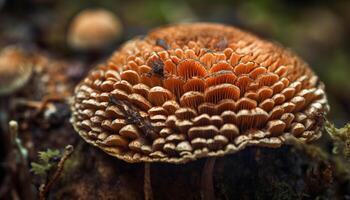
(15, 69)
(197, 90)
(94, 29)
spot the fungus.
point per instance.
(94, 29)
(220, 90)
(15, 69)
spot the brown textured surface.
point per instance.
(196, 90)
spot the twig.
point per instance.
(45, 188)
(40, 106)
(134, 117)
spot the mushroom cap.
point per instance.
(15, 69)
(197, 90)
(94, 29)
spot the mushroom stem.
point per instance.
(147, 187)
(207, 185)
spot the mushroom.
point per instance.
(197, 90)
(15, 69)
(94, 29)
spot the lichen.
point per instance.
(341, 138)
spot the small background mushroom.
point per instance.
(15, 69)
(94, 29)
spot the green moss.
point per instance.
(341, 138)
(46, 162)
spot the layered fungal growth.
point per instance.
(197, 90)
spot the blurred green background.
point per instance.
(317, 30)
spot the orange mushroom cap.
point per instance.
(196, 90)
